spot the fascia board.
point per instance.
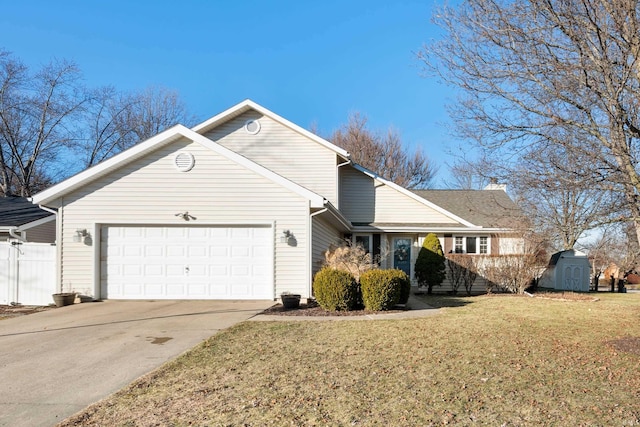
(37, 222)
(249, 104)
(315, 199)
(413, 196)
(103, 168)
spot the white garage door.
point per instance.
(186, 262)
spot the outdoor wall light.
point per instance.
(286, 235)
(186, 216)
(80, 235)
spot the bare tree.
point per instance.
(384, 154)
(462, 271)
(116, 121)
(37, 113)
(553, 73)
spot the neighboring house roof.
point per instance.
(160, 140)
(485, 208)
(247, 105)
(18, 211)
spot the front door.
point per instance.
(402, 254)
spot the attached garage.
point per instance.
(186, 262)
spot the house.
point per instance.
(24, 221)
(568, 270)
(242, 206)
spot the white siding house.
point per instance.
(241, 206)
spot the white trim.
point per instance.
(316, 200)
(412, 254)
(413, 195)
(36, 223)
(417, 229)
(247, 105)
(108, 165)
(464, 238)
(249, 131)
(156, 142)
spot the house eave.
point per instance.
(427, 229)
(338, 217)
(160, 140)
(413, 195)
(247, 105)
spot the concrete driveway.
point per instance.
(55, 363)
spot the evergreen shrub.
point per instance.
(336, 289)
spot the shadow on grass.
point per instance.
(441, 300)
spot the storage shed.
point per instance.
(568, 271)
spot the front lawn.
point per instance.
(491, 360)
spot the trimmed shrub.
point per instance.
(336, 289)
(430, 265)
(382, 289)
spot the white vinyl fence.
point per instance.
(27, 273)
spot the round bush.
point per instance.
(382, 289)
(336, 289)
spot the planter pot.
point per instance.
(290, 300)
(63, 299)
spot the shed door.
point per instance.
(165, 262)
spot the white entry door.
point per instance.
(165, 262)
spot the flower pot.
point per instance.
(290, 300)
(65, 298)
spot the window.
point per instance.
(471, 244)
(459, 245)
(484, 245)
(364, 240)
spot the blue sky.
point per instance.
(310, 62)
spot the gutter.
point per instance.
(44, 208)
(12, 233)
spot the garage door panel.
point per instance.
(157, 262)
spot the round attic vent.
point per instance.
(184, 161)
(252, 126)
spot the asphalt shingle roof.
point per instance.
(486, 208)
(16, 211)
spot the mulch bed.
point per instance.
(7, 311)
(313, 309)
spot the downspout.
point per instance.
(310, 253)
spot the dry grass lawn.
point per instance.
(488, 360)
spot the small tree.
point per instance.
(349, 257)
(462, 270)
(430, 265)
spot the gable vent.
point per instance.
(184, 161)
(252, 126)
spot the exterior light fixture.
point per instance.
(286, 235)
(186, 216)
(80, 235)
